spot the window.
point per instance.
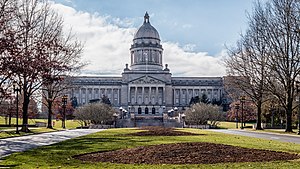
(139, 110)
(160, 100)
(153, 100)
(146, 110)
(153, 110)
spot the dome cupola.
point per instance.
(146, 50)
(146, 30)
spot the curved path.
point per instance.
(263, 135)
(22, 143)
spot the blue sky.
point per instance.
(195, 26)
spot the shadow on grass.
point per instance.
(7, 166)
(96, 143)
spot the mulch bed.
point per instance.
(161, 131)
(186, 153)
(183, 153)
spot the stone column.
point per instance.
(180, 96)
(186, 96)
(135, 92)
(156, 95)
(79, 96)
(174, 96)
(164, 95)
(149, 95)
(143, 94)
(129, 94)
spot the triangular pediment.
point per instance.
(147, 80)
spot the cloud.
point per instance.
(183, 63)
(107, 42)
(189, 47)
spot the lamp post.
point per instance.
(237, 107)
(298, 95)
(64, 101)
(129, 111)
(171, 112)
(17, 90)
(115, 115)
(125, 113)
(121, 112)
(242, 99)
(175, 110)
(183, 119)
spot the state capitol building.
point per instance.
(146, 86)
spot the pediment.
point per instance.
(147, 80)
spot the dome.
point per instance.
(146, 30)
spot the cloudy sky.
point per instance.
(194, 33)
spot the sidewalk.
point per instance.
(23, 143)
(263, 135)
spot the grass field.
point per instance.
(60, 155)
(11, 131)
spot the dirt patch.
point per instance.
(161, 131)
(183, 153)
(186, 153)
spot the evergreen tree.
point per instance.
(204, 99)
(105, 100)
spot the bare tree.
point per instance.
(247, 62)
(283, 34)
(39, 53)
(7, 8)
(65, 53)
(267, 56)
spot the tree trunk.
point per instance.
(258, 121)
(49, 126)
(25, 113)
(289, 110)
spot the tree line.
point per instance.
(36, 51)
(264, 64)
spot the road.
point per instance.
(263, 135)
(23, 143)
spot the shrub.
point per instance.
(201, 113)
(96, 113)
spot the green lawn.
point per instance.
(232, 125)
(60, 155)
(11, 131)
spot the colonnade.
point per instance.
(183, 95)
(84, 95)
(150, 95)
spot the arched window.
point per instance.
(146, 110)
(153, 110)
(139, 110)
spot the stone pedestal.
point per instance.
(165, 116)
(132, 116)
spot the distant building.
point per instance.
(146, 88)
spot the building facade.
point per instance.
(146, 87)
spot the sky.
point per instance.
(194, 33)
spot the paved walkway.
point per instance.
(263, 135)
(17, 144)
